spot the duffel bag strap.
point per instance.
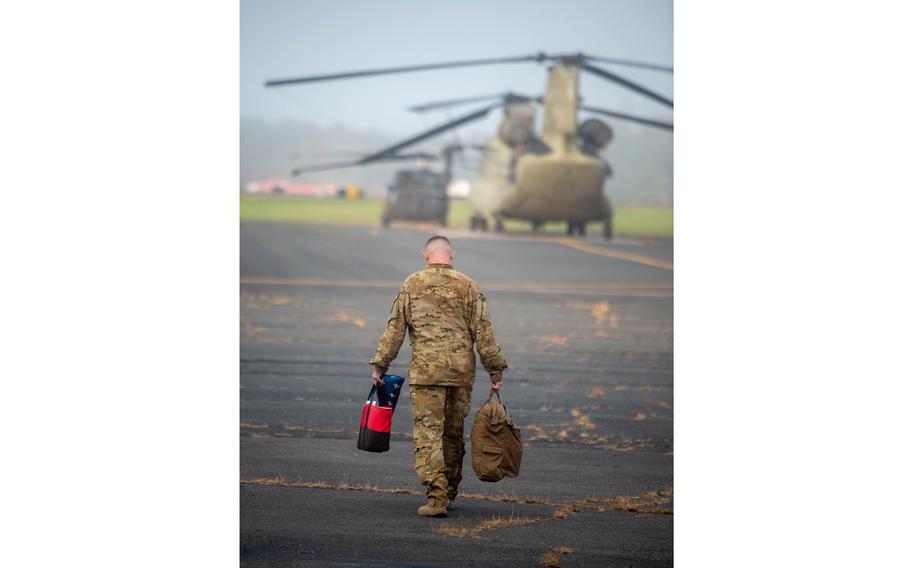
(496, 392)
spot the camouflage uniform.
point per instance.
(445, 315)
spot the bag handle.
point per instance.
(490, 398)
(366, 420)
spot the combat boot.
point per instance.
(434, 508)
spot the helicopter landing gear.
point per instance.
(478, 223)
(608, 228)
(498, 227)
(385, 221)
(441, 221)
(576, 227)
(536, 226)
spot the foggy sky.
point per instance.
(289, 38)
(292, 38)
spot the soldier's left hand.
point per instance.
(377, 377)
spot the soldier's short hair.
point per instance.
(438, 238)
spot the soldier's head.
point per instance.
(438, 250)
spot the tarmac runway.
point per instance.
(587, 328)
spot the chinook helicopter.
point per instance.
(515, 135)
(555, 176)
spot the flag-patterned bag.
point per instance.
(376, 418)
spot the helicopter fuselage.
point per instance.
(561, 184)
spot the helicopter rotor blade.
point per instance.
(609, 76)
(391, 150)
(390, 153)
(323, 167)
(507, 97)
(352, 164)
(350, 154)
(629, 117)
(630, 63)
(403, 69)
(415, 156)
(436, 105)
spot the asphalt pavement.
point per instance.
(587, 328)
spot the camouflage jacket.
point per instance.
(445, 315)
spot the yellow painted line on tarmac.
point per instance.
(603, 251)
(632, 290)
(577, 245)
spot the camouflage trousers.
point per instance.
(439, 414)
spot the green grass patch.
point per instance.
(629, 221)
(644, 221)
(328, 210)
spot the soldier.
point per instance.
(445, 315)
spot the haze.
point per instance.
(288, 126)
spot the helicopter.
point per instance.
(553, 176)
(515, 135)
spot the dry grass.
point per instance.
(551, 559)
(567, 510)
(359, 323)
(300, 428)
(555, 339)
(595, 391)
(457, 532)
(343, 486)
(253, 330)
(505, 499)
(650, 502)
(471, 533)
(282, 482)
(599, 312)
(584, 421)
(287, 430)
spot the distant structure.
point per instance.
(459, 189)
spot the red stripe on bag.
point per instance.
(379, 419)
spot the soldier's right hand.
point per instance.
(377, 376)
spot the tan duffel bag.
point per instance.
(495, 442)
